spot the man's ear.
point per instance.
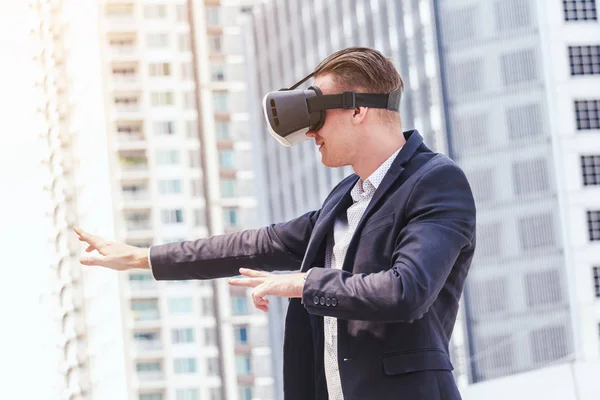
(359, 114)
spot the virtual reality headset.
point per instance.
(291, 113)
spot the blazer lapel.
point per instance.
(414, 140)
(342, 200)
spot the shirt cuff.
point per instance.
(149, 261)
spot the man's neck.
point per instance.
(371, 157)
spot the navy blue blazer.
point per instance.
(396, 297)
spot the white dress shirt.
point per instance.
(343, 230)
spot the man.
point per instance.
(382, 263)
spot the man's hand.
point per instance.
(264, 283)
(117, 256)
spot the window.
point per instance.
(180, 305)
(549, 344)
(185, 365)
(230, 217)
(241, 334)
(212, 15)
(155, 11)
(584, 60)
(242, 365)
(185, 43)
(593, 218)
(222, 130)
(218, 72)
(182, 335)
(182, 13)
(167, 157)
(587, 113)
(210, 336)
(543, 288)
(145, 336)
(189, 100)
(226, 159)
(151, 396)
(207, 306)
(221, 101)
(212, 366)
(147, 366)
(239, 305)
(119, 10)
(467, 77)
(530, 177)
(190, 129)
(596, 274)
(188, 394)
(160, 69)
(194, 156)
(518, 67)
(227, 187)
(157, 40)
(140, 277)
(199, 217)
(524, 121)
(245, 392)
(511, 15)
(580, 10)
(215, 44)
(537, 231)
(491, 296)
(196, 188)
(187, 70)
(164, 127)
(174, 216)
(144, 310)
(590, 169)
(162, 99)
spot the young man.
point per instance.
(382, 263)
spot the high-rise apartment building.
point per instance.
(78, 321)
(182, 167)
(508, 89)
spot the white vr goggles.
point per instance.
(291, 113)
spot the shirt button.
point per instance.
(322, 301)
(334, 302)
(316, 300)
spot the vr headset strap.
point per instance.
(350, 100)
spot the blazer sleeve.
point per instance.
(274, 247)
(441, 215)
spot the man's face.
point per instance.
(335, 137)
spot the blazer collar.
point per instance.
(342, 199)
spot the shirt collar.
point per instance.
(370, 185)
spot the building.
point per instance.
(181, 159)
(69, 316)
(508, 89)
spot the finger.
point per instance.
(94, 240)
(90, 248)
(253, 273)
(246, 282)
(92, 261)
(260, 302)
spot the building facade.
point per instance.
(508, 89)
(181, 159)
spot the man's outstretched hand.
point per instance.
(264, 283)
(117, 256)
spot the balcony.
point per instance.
(146, 346)
(123, 51)
(126, 81)
(150, 376)
(143, 289)
(138, 229)
(119, 22)
(134, 166)
(134, 140)
(146, 315)
(127, 107)
(139, 199)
